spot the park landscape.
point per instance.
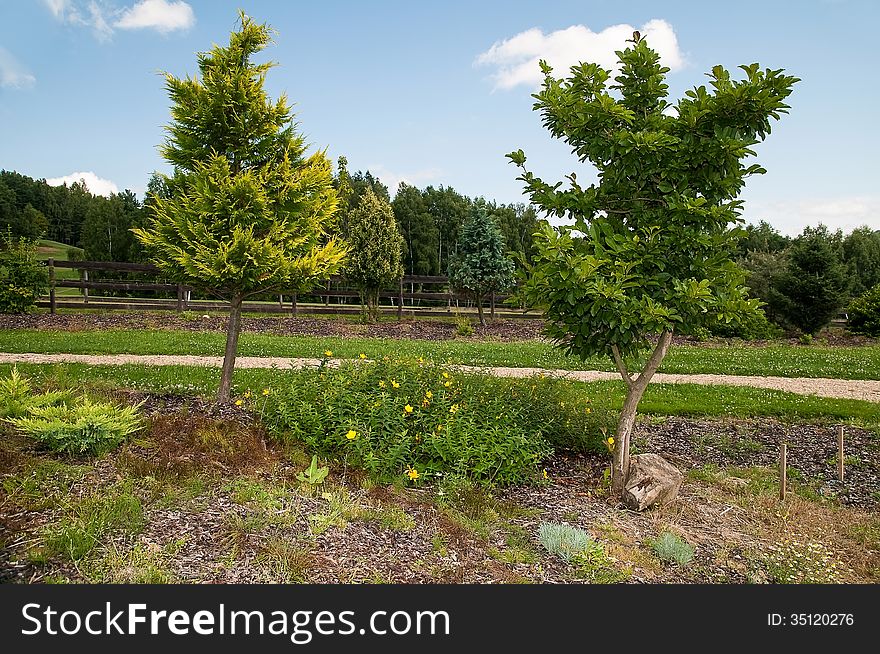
(620, 420)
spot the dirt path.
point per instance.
(835, 388)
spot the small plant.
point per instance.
(805, 339)
(595, 566)
(864, 313)
(795, 562)
(670, 548)
(87, 428)
(463, 326)
(23, 278)
(313, 475)
(563, 540)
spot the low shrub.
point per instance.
(413, 420)
(670, 548)
(752, 327)
(90, 428)
(864, 313)
(23, 278)
(17, 396)
(564, 541)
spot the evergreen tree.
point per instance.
(813, 287)
(375, 250)
(248, 208)
(480, 265)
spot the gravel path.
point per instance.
(835, 388)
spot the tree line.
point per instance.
(429, 219)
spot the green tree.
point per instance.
(650, 250)
(861, 255)
(762, 237)
(106, 231)
(23, 278)
(480, 265)
(449, 210)
(248, 208)
(814, 285)
(420, 234)
(375, 250)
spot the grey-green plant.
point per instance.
(647, 251)
(671, 548)
(564, 540)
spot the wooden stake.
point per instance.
(783, 470)
(84, 274)
(840, 452)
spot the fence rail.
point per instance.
(335, 287)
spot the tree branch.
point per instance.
(656, 358)
(621, 366)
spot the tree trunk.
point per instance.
(233, 329)
(635, 390)
(480, 310)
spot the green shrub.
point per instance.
(84, 428)
(595, 566)
(564, 541)
(17, 396)
(672, 549)
(753, 326)
(864, 313)
(23, 278)
(414, 420)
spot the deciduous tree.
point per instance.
(650, 249)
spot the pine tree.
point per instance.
(247, 208)
(375, 250)
(480, 266)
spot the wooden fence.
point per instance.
(400, 299)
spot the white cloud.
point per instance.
(846, 213)
(103, 17)
(95, 184)
(13, 74)
(516, 59)
(393, 180)
(161, 15)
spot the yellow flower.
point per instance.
(445, 375)
(362, 356)
(589, 410)
(408, 409)
(265, 391)
(438, 429)
(453, 408)
(611, 440)
(421, 360)
(412, 473)
(395, 384)
(351, 435)
(328, 353)
(238, 403)
(381, 384)
(429, 395)
(247, 394)
(447, 384)
(546, 476)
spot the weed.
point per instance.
(285, 561)
(796, 562)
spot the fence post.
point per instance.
(400, 300)
(492, 304)
(179, 298)
(840, 452)
(783, 470)
(327, 297)
(281, 302)
(51, 264)
(84, 275)
(295, 310)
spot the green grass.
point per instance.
(660, 399)
(861, 362)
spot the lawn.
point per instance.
(844, 362)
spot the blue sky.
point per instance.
(438, 92)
